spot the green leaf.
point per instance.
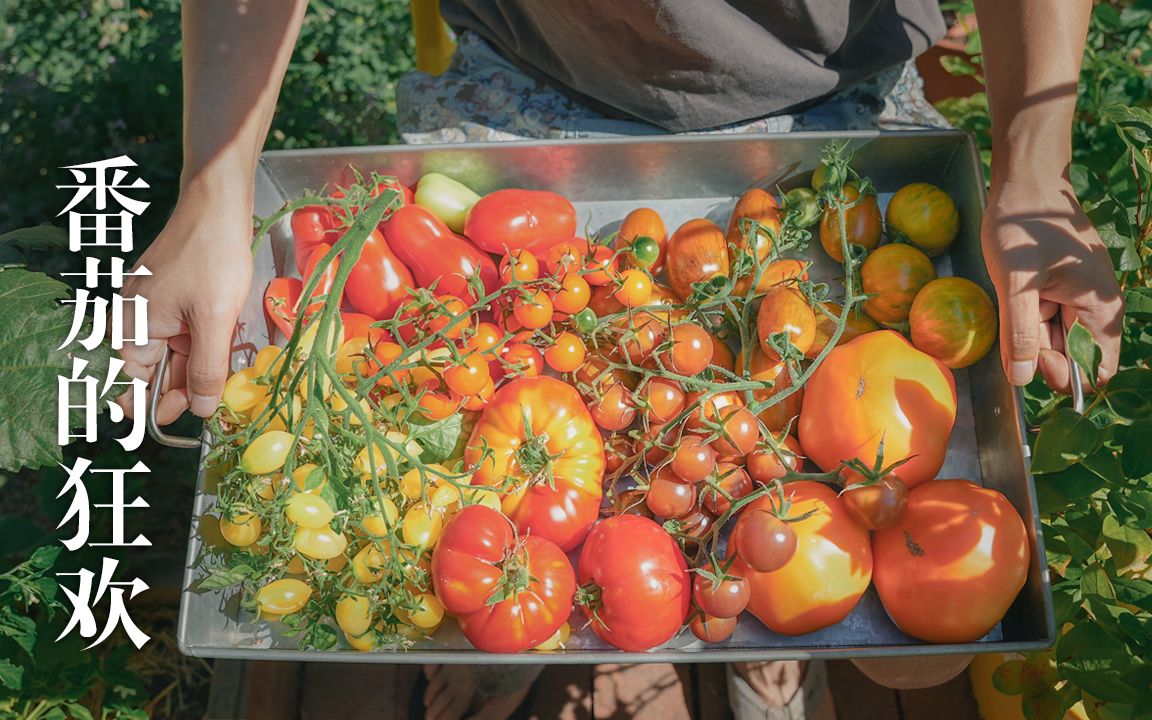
(1083, 349)
(1132, 507)
(39, 237)
(1093, 660)
(1094, 582)
(1136, 458)
(44, 557)
(1133, 592)
(79, 712)
(20, 628)
(225, 578)
(1138, 302)
(1121, 246)
(1129, 393)
(438, 438)
(1064, 438)
(1056, 491)
(11, 676)
(32, 326)
(1130, 546)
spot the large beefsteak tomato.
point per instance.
(961, 545)
(510, 594)
(826, 576)
(637, 583)
(537, 442)
(878, 387)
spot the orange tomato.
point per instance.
(778, 416)
(925, 216)
(643, 222)
(953, 319)
(759, 206)
(826, 576)
(862, 223)
(892, 275)
(879, 387)
(858, 324)
(697, 251)
(785, 310)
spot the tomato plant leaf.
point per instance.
(11, 676)
(1138, 303)
(1129, 393)
(1064, 439)
(438, 438)
(226, 577)
(1130, 546)
(1083, 349)
(1136, 458)
(19, 628)
(33, 326)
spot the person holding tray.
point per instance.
(601, 68)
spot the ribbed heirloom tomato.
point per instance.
(878, 387)
(961, 545)
(537, 442)
(827, 574)
(509, 593)
(635, 583)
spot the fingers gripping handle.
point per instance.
(175, 441)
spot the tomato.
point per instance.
(642, 581)
(484, 338)
(354, 614)
(925, 216)
(722, 596)
(754, 206)
(668, 496)
(690, 351)
(722, 355)
(635, 288)
(514, 219)
(312, 226)
(566, 354)
(780, 272)
(437, 405)
(712, 629)
(422, 526)
(359, 325)
(862, 222)
(709, 408)
(447, 199)
(308, 511)
(892, 275)
(240, 392)
(600, 265)
(509, 594)
(641, 333)
(858, 324)
(663, 398)
(824, 579)
(802, 207)
(617, 449)
(603, 301)
(280, 300)
(319, 544)
(953, 319)
(545, 453)
(732, 483)
(764, 465)
(326, 279)
(785, 310)
(573, 295)
(282, 597)
(519, 265)
(697, 252)
(242, 529)
(534, 311)
(379, 282)
(614, 410)
(762, 540)
(522, 360)
(875, 506)
(437, 256)
(266, 453)
(951, 567)
(778, 416)
(469, 377)
(639, 224)
(879, 387)
(739, 432)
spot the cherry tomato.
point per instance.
(600, 265)
(785, 310)
(267, 453)
(758, 206)
(763, 541)
(519, 265)
(523, 360)
(566, 354)
(953, 319)
(614, 410)
(533, 312)
(722, 597)
(640, 336)
(469, 377)
(712, 629)
(691, 349)
(514, 219)
(437, 406)
(876, 506)
(585, 320)
(280, 300)
(670, 497)
(644, 252)
(664, 399)
(645, 236)
(733, 480)
(484, 338)
(764, 465)
(573, 295)
(694, 460)
(739, 432)
(282, 597)
(858, 324)
(697, 251)
(635, 288)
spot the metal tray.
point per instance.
(682, 178)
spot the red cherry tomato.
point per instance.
(311, 226)
(280, 299)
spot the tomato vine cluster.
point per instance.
(470, 394)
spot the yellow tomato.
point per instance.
(376, 455)
(429, 612)
(267, 453)
(319, 544)
(412, 482)
(265, 486)
(300, 477)
(368, 564)
(381, 524)
(240, 392)
(422, 526)
(309, 511)
(354, 614)
(241, 529)
(363, 643)
(288, 412)
(283, 597)
(352, 359)
(338, 406)
(556, 642)
(268, 361)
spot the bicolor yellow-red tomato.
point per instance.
(925, 216)
(537, 439)
(953, 319)
(891, 276)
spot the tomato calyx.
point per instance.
(590, 596)
(516, 575)
(533, 456)
(868, 476)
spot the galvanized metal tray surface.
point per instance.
(682, 178)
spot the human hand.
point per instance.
(201, 265)
(1048, 264)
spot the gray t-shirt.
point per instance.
(694, 64)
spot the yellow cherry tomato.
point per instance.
(287, 413)
(240, 392)
(319, 544)
(267, 453)
(338, 406)
(368, 563)
(412, 483)
(241, 529)
(375, 456)
(352, 359)
(429, 612)
(556, 642)
(354, 614)
(295, 566)
(381, 523)
(283, 597)
(422, 526)
(363, 643)
(309, 511)
(329, 342)
(265, 486)
(268, 361)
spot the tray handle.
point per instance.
(174, 441)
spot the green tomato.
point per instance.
(445, 198)
(585, 320)
(645, 251)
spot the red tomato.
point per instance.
(437, 255)
(544, 451)
(826, 576)
(280, 299)
(359, 325)
(879, 386)
(311, 226)
(515, 219)
(479, 556)
(643, 582)
(949, 569)
(379, 282)
(764, 465)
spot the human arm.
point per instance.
(1043, 255)
(235, 55)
